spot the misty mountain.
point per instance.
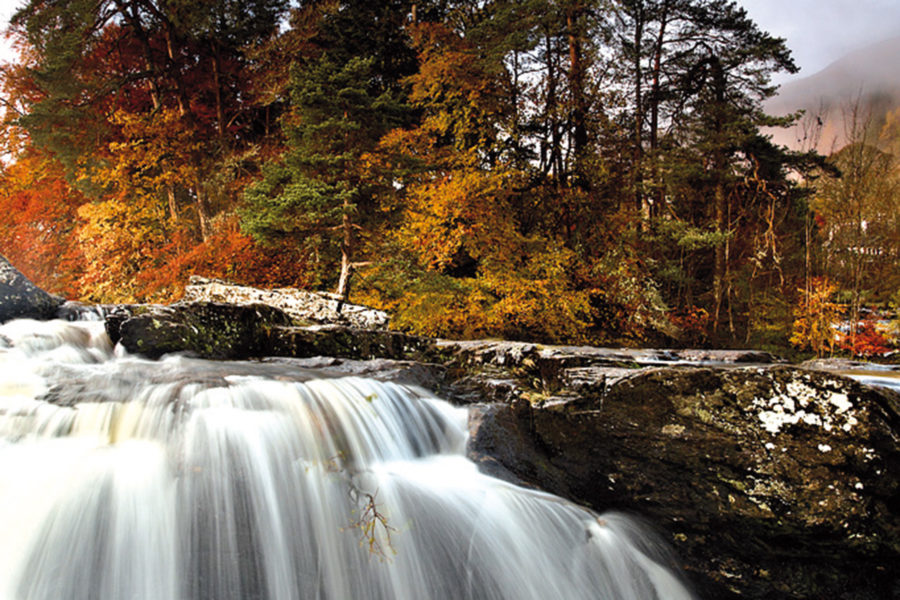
(869, 77)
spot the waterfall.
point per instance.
(182, 479)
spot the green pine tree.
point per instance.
(344, 97)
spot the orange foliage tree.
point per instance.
(38, 224)
(463, 264)
(816, 317)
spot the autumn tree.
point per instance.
(817, 318)
(465, 238)
(857, 210)
(94, 59)
(39, 223)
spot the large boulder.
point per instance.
(239, 331)
(20, 298)
(772, 482)
(204, 329)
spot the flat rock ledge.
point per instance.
(21, 299)
(300, 305)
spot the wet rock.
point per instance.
(301, 305)
(79, 311)
(511, 354)
(424, 375)
(839, 365)
(491, 444)
(772, 482)
(558, 367)
(20, 298)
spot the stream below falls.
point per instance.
(182, 479)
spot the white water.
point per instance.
(180, 479)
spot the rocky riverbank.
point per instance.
(771, 481)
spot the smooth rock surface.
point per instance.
(345, 342)
(21, 299)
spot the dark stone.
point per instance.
(513, 354)
(230, 331)
(20, 298)
(79, 311)
(773, 482)
(345, 342)
(202, 329)
(424, 375)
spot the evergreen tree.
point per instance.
(345, 95)
(697, 73)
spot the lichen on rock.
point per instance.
(758, 507)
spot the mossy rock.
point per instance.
(773, 482)
(205, 329)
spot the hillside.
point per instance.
(870, 74)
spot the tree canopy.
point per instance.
(554, 170)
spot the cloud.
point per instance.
(820, 31)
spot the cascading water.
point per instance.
(122, 478)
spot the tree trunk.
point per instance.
(343, 289)
(554, 153)
(643, 208)
(720, 262)
(654, 100)
(220, 109)
(574, 18)
(720, 200)
(173, 209)
(203, 213)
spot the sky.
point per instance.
(7, 8)
(817, 31)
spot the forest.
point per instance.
(558, 171)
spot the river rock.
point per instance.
(301, 305)
(237, 331)
(345, 342)
(204, 329)
(20, 298)
(429, 376)
(772, 482)
(512, 354)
